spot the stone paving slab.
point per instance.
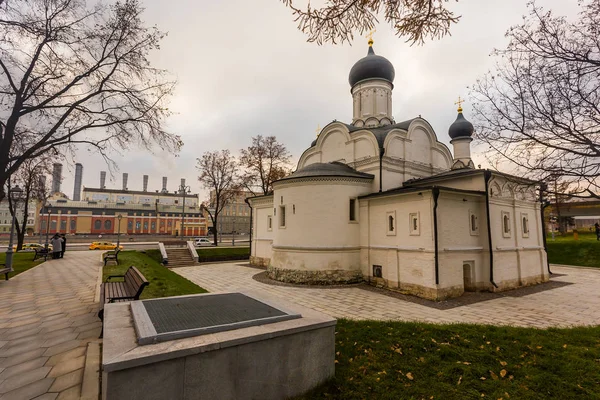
(47, 318)
(576, 304)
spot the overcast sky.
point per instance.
(243, 69)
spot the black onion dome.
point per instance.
(461, 127)
(370, 67)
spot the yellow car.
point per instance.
(32, 247)
(104, 246)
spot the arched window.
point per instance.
(525, 225)
(153, 225)
(97, 224)
(473, 223)
(138, 225)
(129, 225)
(146, 225)
(63, 225)
(390, 223)
(108, 224)
(506, 224)
(73, 225)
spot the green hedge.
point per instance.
(223, 254)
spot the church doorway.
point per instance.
(468, 278)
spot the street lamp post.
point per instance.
(47, 226)
(119, 230)
(15, 195)
(183, 190)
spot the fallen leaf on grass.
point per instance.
(459, 380)
(399, 351)
(493, 375)
(483, 378)
(503, 363)
(410, 376)
(503, 373)
(564, 346)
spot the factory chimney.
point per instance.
(78, 178)
(164, 188)
(145, 183)
(125, 176)
(102, 179)
(56, 177)
(182, 183)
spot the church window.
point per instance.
(525, 223)
(97, 224)
(413, 220)
(269, 223)
(473, 223)
(391, 223)
(505, 224)
(73, 224)
(282, 216)
(107, 224)
(352, 215)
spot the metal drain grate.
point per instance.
(159, 320)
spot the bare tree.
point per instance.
(540, 109)
(29, 178)
(76, 74)
(265, 161)
(218, 174)
(339, 20)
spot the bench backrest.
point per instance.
(135, 282)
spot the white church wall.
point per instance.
(318, 235)
(405, 256)
(262, 236)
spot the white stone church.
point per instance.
(386, 202)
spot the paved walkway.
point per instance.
(47, 318)
(568, 305)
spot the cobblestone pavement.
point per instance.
(47, 318)
(568, 305)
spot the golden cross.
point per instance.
(459, 102)
(370, 36)
(318, 130)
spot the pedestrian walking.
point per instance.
(64, 245)
(56, 246)
(597, 226)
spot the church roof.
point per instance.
(371, 66)
(380, 132)
(334, 168)
(459, 173)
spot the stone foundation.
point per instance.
(432, 293)
(518, 283)
(261, 262)
(331, 277)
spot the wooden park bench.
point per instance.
(41, 253)
(130, 288)
(114, 256)
(4, 270)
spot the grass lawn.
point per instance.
(163, 282)
(400, 360)
(21, 262)
(223, 253)
(565, 250)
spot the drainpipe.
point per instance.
(436, 195)
(487, 176)
(543, 205)
(251, 224)
(381, 152)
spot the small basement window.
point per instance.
(269, 223)
(352, 206)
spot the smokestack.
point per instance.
(102, 179)
(78, 178)
(164, 188)
(56, 177)
(125, 176)
(182, 183)
(145, 183)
